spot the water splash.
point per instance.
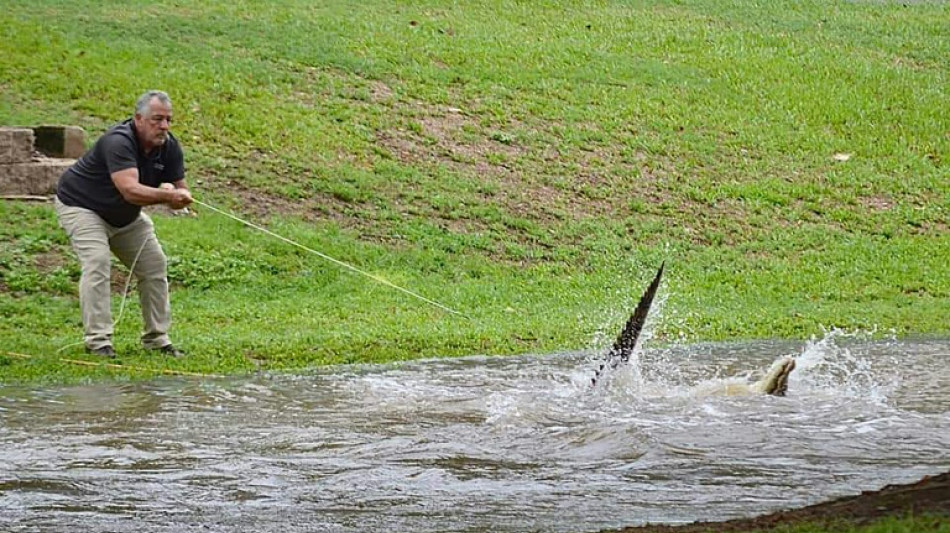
(475, 444)
(835, 365)
(635, 373)
(838, 364)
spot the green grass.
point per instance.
(527, 164)
(909, 524)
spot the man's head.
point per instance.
(153, 119)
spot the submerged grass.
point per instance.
(527, 164)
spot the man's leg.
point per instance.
(89, 236)
(150, 268)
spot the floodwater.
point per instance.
(477, 444)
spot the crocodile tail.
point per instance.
(627, 340)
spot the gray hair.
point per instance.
(144, 103)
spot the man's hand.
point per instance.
(180, 198)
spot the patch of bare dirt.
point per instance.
(50, 261)
(456, 139)
(380, 91)
(927, 497)
(877, 203)
(257, 206)
(118, 280)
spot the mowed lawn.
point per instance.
(528, 164)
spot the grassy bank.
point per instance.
(909, 524)
(528, 165)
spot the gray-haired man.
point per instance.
(99, 203)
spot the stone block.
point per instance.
(16, 145)
(60, 141)
(38, 177)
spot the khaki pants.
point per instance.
(94, 240)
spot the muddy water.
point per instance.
(476, 444)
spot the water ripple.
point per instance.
(482, 443)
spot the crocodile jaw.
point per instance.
(775, 381)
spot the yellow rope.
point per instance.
(333, 260)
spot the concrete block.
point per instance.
(37, 177)
(60, 141)
(16, 145)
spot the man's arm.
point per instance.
(127, 181)
(181, 184)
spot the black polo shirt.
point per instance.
(88, 183)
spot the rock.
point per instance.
(22, 172)
(39, 176)
(16, 145)
(60, 141)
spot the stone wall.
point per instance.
(33, 159)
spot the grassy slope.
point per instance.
(525, 163)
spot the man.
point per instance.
(99, 203)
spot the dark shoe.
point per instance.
(170, 350)
(102, 351)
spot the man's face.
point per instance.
(153, 126)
